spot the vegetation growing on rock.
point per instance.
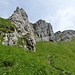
(6, 26)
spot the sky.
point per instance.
(60, 13)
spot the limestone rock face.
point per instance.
(20, 19)
(44, 31)
(27, 34)
(10, 39)
(66, 35)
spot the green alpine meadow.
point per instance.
(49, 59)
(34, 48)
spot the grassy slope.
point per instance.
(6, 26)
(49, 59)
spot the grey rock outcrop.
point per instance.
(30, 33)
(66, 35)
(20, 19)
(10, 39)
(43, 31)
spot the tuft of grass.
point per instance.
(21, 41)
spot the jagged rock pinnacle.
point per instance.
(20, 19)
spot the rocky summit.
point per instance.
(20, 19)
(44, 31)
(26, 34)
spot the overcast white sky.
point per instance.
(60, 13)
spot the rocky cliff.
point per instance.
(26, 34)
(24, 31)
(44, 31)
